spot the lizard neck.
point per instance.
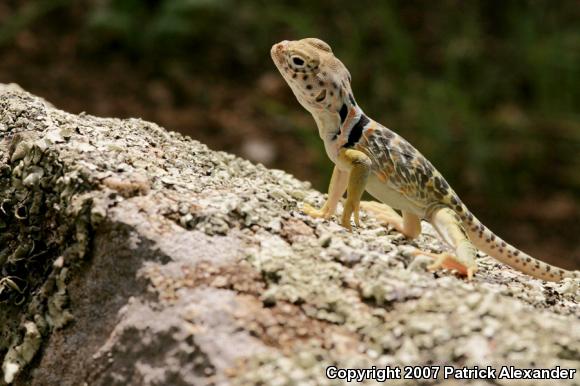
(336, 124)
(340, 128)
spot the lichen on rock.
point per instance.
(130, 255)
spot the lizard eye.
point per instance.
(298, 61)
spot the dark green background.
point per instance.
(489, 91)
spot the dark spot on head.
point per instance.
(503, 244)
(305, 77)
(334, 85)
(321, 95)
(320, 83)
(528, 259)
(294, 76)
(309, 87)
(453, 201)
(516, 252)
(332, 93)
(501, 250)
(548, 267)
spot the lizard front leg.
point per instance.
(359, 166)
(336, 189)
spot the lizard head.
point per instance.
(317, 78)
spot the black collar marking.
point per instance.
(356, 131)
(343, 112)
(351, 99)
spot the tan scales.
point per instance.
(369, 156)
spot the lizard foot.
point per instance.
(351, 209)
(447, 261)
(316, 213)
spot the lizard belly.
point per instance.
(387, 194)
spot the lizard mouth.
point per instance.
(321, 95)
(277, 51)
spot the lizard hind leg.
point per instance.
(408, 224)
(449, 226)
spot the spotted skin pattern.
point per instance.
(369, 156)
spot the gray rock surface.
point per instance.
(131, 255)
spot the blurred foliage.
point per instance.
(488, 90)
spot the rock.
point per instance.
(131, 255)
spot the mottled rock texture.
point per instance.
(131, 255)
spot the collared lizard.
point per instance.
(369, 156)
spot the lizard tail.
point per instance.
(485, 240)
